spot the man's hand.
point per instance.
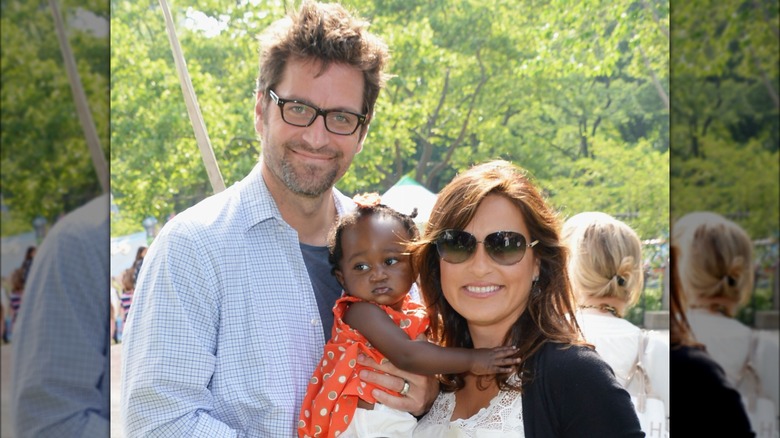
(423, 390)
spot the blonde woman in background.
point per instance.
(717, 275)
(605, 268)
(705, 403)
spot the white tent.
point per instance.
(406, 195)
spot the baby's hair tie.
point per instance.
(366, 200)
(731, 281)
(620, 280)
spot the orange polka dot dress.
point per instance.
(334, 389)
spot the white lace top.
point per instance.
(502, 418)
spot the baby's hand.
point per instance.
(494, 360)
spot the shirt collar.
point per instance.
(257, 204)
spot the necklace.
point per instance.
(603, 308)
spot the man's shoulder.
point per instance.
(220, 211)
(344, 204)
(87, 218)
(83, 232)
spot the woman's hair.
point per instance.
(368, 205)
(548, 316)
(326, 33)
(605, 257)
(128, 279)
(140, 253)
(716, 257)
(17, 280)
(680, 333)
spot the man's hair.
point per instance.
(325, 33)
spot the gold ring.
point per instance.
(405, 389)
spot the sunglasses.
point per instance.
(504, 247)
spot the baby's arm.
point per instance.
(423, 357)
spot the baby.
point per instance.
(368, 253)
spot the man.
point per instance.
(234, 302)
(60, 372)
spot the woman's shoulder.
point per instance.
(565, 361)
(566, 353)
(695, 361)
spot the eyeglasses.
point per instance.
(301, 114)
(504, 247)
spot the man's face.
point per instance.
(309, 160)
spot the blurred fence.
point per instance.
(761, 311)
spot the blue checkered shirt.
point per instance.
(225, 331)
(60, 366)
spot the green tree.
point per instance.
(725, 112)
(46, 165)
(562, 89)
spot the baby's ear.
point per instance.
(339, 276)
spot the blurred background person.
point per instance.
(27, 262)
(15, 297)
(115, 311)
(126, 297)
(139, 260)
(122, 290)
(705, 403)
(605, 269)
(5, 304)
(60, 363)
(716, 269)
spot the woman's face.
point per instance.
(489, 295)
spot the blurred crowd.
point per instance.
(12, 293)
(122, 288)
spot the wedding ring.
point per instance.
(405, 389)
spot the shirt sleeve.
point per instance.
(60, 365)
(169, 343)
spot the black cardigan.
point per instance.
(704, 402)
(574, 393)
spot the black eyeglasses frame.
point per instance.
(280, 102)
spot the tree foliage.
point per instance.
(725, 124)
(46, 165)
(575, 92)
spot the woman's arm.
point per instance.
(421, 356)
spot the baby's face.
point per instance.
(375, 265)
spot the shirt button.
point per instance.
(314, 322)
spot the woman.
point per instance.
(493, 273)
(716, 275)
(605, 268)
(705, 403)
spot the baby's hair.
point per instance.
(367, 205)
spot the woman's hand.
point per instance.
(418, 399)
